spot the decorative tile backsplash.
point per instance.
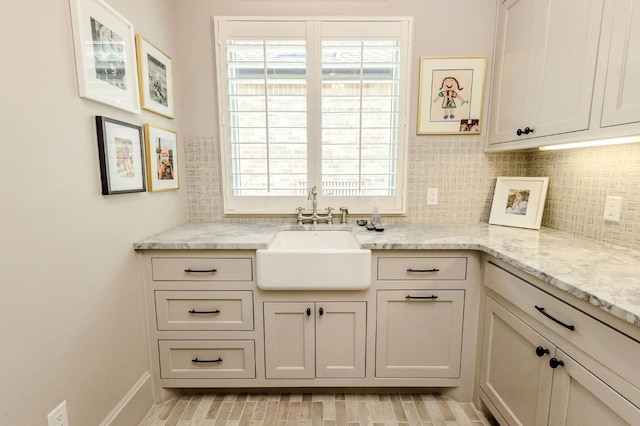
(579, 181)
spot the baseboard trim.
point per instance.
(134, 405)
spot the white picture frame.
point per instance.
(155, 75)
(105, 53)
(519, 201)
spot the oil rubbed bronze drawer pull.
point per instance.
(206, 360)
(201, 271)
(423, 270)
(432, 297)
(193, 311)
(543, 312)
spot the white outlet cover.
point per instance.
(59, 416)
(432, 196)
(612, 209)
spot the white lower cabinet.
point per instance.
(419, 333)
(306, 340)
(529, 375)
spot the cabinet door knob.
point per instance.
(308, 312)
(540, 351)
(321, 311)
(555, 363)
(526, 131)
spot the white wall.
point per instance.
(71, 306)
(445, 28)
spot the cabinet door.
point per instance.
(289, 340)
(579, 398)
(511, 68)
(341, 331)
(622, 88)
(546, 52)
(419, 333)
(515, 379)
(566, 66)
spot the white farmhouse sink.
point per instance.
(314, 260)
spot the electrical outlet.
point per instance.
(432, 196)
(59, 417)
(612, 209)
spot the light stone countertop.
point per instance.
(605, 275)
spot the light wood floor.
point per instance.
(314, 409)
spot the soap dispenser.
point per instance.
(375, 216)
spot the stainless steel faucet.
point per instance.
(314, 216)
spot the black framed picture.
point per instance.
(121, 153)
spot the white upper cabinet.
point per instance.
(544, 68)
(621, 104)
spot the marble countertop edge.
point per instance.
(601, 274)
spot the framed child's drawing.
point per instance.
(451, 94)
(519, 201)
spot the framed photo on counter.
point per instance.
(121, 155)
(519, 201)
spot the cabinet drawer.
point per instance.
(422, 268)
(204, 310)
(207, 359)
(201, 269)
(593, 337)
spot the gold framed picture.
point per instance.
(162, 158)
(155, 71)
(451, 94)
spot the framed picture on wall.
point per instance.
(451, 94)
(519, 201)
(105, 55)
(121, 153)
(162, 158)
(156, 78)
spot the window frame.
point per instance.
(312, 27)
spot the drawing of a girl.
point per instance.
(449, 92)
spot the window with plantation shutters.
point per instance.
(307, 102)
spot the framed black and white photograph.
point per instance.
(105, 55)
(121, 153)
(162, 158)
(156, 78)
(519, 201)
